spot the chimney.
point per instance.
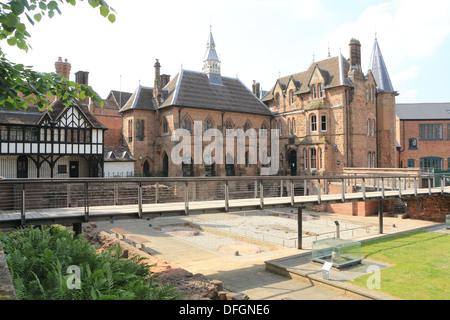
(82, 77)
(157, 87)
(355, 54)
(165, 79)
(63, 68)
(256, 89)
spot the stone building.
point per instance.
(424, 134)
(333, 115)
(191, 101)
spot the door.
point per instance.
(74, 169)
(22, 167)
(293, 161)
(146, 169)
(165, 166)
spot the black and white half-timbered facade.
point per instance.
(61, 142)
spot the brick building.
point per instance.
(424, 134)
(203, 100)
(333, 115)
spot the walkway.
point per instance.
(244, 274)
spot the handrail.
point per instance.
(205, 179)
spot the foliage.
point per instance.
(19, 83)
(39, 259)
(420, 265)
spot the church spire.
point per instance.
(211, 62)
(379, 70)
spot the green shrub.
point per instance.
(39, 259)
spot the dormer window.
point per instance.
(277, 98)
(292, 96)
(320, 91)
(125, 155)
(314, 92)
(111, 155)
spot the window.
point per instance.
(413, 144)
(368, 127)
(187, 124)
(320, 91)
(277, 97)
(313, 159)
(411, 163)
(313, 121)
(430, 163)
(130, 131)
(281, 161)
(430, 131)
(374, 163)
(373, 128)
(314, 92)
(293, 128)
(16, 134)
(165, 125)
(320, 159)
(140, 130)
(292, 96)
(247, 126)
(228, 125)
(369, 160)
(263, 130)
(290, 127)
(62, 169)
(3, 133)
(208, 125)
(305, 158)
(323, 123)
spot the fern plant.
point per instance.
(39, 258)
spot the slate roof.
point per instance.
(334, 70)
(194, 90)
(379, 70)
(119, 97)
(118, 152)
(32, 115)
(142, 99)
(423, 111)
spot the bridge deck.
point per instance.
(96, 213)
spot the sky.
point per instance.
(255, 39)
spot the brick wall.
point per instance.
(425, 148)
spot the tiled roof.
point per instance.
(334, 71)
(32, 116)
(193, 89)
(379, 70)
(141, 99)
(423, 111)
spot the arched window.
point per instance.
(320, 91)
(187, 124)
(294, 131)
(208, 124)
(373, 128)
(369, 160)
(277, 98)
(313, 159)
(187, 166)
(323, 123)
(210, 168)
(247, 126)
(291, 95)
(229, 125)
(290, 127)
(314, 89)
(263, 130)
(320, 159)
(305, 158)
(165, 125)
(368, 127)
(313, 123)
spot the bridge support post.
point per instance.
(300, 228)
(77, 228)
(380, 216)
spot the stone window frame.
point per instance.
(313, 123)
(322, 123)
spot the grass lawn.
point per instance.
(421, 265)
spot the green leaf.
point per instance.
(21, 27)
(104, 11)
(112, 18)
(17, 7)
(42, 5)
(51, 14)
(52, 5)
(12, 41)
(38, 17)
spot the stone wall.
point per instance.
(433, 208)
(7, 291)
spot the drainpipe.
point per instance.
(377, 131)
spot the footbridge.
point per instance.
(76, 201)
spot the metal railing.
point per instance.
(85, 193)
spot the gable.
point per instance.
(73, 118)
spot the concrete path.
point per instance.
(245, 273)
